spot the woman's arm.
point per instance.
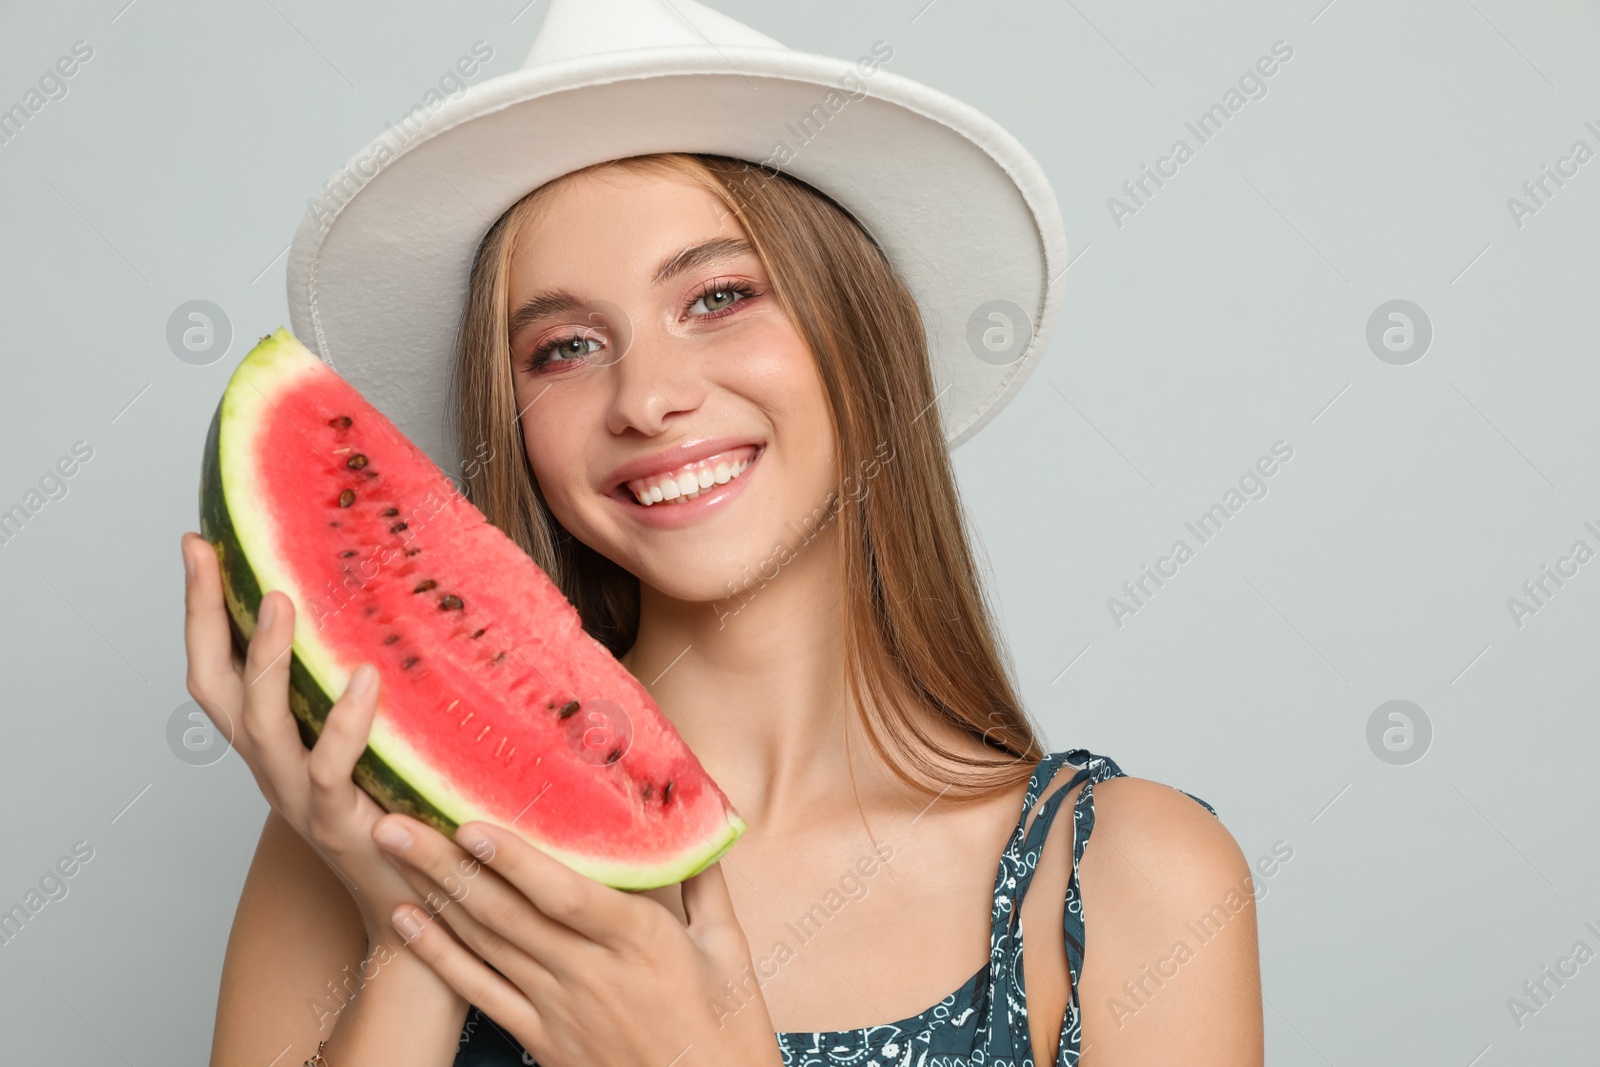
(298, 959)
(298, 965)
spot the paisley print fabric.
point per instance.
(985, 1021)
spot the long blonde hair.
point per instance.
(914, 609)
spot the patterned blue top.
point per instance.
(983, 1022)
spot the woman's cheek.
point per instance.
(768, 362)
(547, 472)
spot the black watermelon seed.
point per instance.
(391, 639)
(450, 602)
(647, 790)
(390, 513)
(397, 527)
(568, 710)
(614, 755)
(340, 423)
(412, 551)
(347, 553)
(347, 498)
(409, 662)
(666, 791)
(356, 462)
(425, 585)
(478, 633)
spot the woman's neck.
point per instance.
(755, 683)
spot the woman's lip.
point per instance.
(734, 459)
(670, 516)
(672, 458)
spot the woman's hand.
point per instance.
(588, 974)
(249, 703)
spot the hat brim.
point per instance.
(379, 267)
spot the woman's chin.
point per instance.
(715, 563)
(708, 587)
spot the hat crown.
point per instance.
(575, 28)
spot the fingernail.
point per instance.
(264, 618)
(391, 836)
(406, 922)
(361, 681)
(188, 559)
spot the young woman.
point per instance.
(715, 402)
(649, 318)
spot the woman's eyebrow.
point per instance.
(701, 254)
(542, 306)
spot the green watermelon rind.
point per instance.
(393, 775)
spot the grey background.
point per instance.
(1228, 313)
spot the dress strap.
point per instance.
(1090, 769)
(1017, 866)
(1012, 860)
(1027, 840)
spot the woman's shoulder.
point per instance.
(1161, 828)
(1156, 828)
(1168, 849)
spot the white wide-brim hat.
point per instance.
(379, 267)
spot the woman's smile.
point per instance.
(690, 491)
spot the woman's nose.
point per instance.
(653, 377)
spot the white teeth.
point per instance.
(689, 484)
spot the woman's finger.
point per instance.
(472, 884)
(535, 977)
(598, 912)
(279, 752)
(709, 907)
(470, 978)
(344, 737)
(213, 678)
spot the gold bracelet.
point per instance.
(316, 1059)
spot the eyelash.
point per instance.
(541, 355)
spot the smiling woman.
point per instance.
(689, 369)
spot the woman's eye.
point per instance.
(574, 346)
(717, 300)
(564, 350)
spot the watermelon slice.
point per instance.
(494, 703)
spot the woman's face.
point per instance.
(652, 361)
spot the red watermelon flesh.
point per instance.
(495, 704)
